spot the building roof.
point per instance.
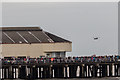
(28, 35)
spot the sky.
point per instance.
(78, 22)
(60, 0)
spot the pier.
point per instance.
(59, 69)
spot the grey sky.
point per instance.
(78, 22)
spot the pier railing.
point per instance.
(39, 68)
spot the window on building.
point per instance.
(55, 54)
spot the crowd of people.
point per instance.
(40, 60)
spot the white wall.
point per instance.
(34, 50)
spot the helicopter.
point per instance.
(96, 38)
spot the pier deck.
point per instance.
(60, 70)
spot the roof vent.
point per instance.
(20, 41)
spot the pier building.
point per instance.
(33, 42)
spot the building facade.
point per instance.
(33, 42)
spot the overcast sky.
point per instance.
(78, 22)
(60, 0)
